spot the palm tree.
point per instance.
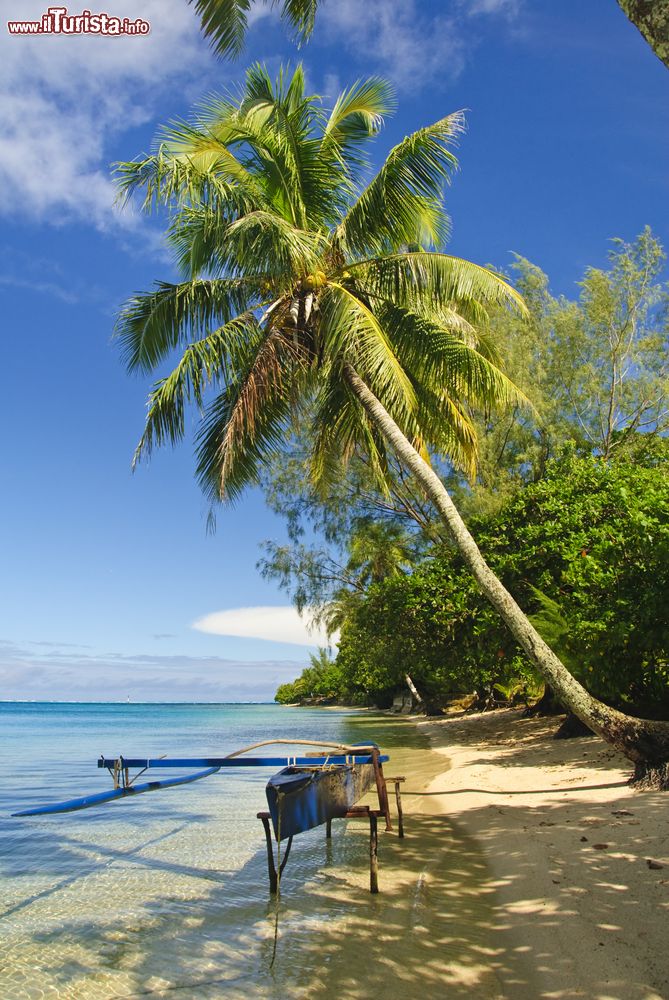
(307, 296)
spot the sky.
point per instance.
(111, 586)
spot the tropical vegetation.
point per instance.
(580, 545)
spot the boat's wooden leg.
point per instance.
(398, 799)
(400, 816)
(328, 829)
(373, 853)
(289, 844)
(271, 867)
(381, 789)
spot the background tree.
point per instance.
(339, 542)
(319, 682)
(596, 369)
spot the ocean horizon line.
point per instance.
(98, 701)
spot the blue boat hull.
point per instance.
(302, 798)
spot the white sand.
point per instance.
(577, 909)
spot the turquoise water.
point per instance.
(164, 894)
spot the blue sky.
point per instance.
(104, 573)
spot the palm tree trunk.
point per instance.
(644, 742)
(651, 17)
(414, 690)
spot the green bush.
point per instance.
(593, 538)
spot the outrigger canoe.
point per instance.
(308, 791)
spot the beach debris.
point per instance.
(654, 865)
(583, 840)
(621, 812)
(600, 847)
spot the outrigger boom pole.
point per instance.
(224, 762)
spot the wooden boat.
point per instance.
(300, 798)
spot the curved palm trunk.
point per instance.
(644, 742)
(651, 17)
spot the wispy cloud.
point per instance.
(409, 45)
(277, 623)
(505, 8)
(60, 674)
(397, 37)
(38, 274)
(42, 287)
(66, 97)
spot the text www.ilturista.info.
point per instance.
(57, 21)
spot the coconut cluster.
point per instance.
(314, 281)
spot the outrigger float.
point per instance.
(310, 791)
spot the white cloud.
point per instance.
(66, 97)
(507, 8)
(277, 623)
(411, 47)
(260, 11)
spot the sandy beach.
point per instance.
(576, 864)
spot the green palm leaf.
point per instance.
(403, 203)
(438, 280)
(201, 363)
(351, 329)
(153, 324)
(225, 22)
(357, 115)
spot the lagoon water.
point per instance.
(166, 894)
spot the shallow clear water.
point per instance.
(166, 894)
